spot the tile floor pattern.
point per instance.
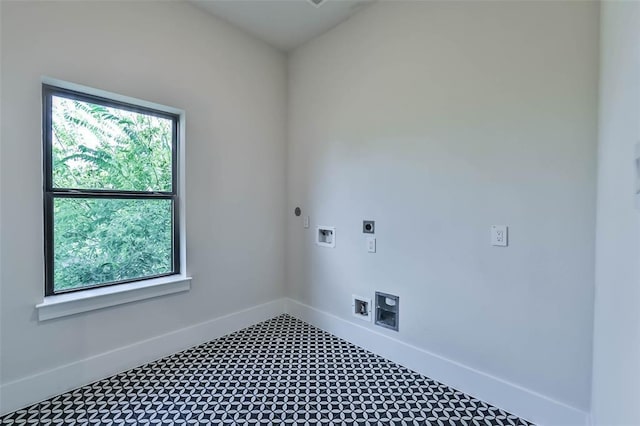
(281, 371)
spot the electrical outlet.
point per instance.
(499, 235)
(371, 245)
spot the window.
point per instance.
(110, 191)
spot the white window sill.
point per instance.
(83, 301)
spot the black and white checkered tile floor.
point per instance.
(281, 371)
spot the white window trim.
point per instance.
(97, 298)
(62, 305)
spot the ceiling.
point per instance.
(284, 24)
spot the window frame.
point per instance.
(50, 193)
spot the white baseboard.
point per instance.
(515, 399)
(508, 396)
(29, 390)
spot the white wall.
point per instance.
(616, 366)
(437, 120)
(233, 89)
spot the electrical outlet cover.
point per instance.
(499, 235)
(371, 244)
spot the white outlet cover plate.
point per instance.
(371, 244)
(499, 235)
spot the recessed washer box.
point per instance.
(326, 236)
(387, 310)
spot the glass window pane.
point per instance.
(100, 241)
(100, 147)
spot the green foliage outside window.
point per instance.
(104, 240)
